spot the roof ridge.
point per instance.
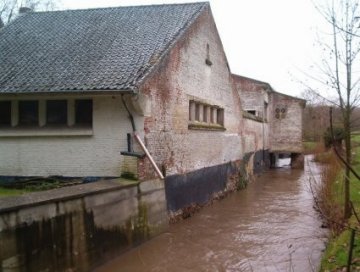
(99, 49)
(252, 79)
(119, 7)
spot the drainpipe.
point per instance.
(138, 139)
(263, 131)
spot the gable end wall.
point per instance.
(183, 75)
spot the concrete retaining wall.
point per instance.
(79, 233)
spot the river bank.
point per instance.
(269, 226)
(337, 251)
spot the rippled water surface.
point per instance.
(270, 226)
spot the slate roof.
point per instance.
(87, 50)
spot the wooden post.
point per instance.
(351, 246)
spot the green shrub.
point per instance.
(338, 136)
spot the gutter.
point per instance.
(141, 143)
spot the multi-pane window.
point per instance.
(5, 113)
(29, 113)
(205, 114)
(56, 112)
(34, 113)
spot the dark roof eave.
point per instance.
(73, 92)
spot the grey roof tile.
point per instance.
(84, 50)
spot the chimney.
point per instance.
(23, 10)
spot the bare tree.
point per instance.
(340, 69)
(9, 8)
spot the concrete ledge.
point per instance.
(8, 204)
(38, 132)
(151, 185)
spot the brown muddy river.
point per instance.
(270, 226)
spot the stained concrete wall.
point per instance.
(286, 123)
(183, 76)
(79, 233)
(70, 151)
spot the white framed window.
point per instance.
(5, 113)
(56, 112)
(50, 117)
(28, 113)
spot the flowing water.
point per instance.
(270, 226)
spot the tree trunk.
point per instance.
(347, 136)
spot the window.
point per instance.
(56, 112)
(220, 117)
(205, 116)
(213, 112)
(41, 117)
(197, 112)
(83, 112)
(29, 113)
(5, 113)
(253, 112)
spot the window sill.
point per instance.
(205, 126)
(39, 132)
(253, 117)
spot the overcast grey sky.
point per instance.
(267, 40)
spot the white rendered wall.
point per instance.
(87, 155)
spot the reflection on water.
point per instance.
(270, 226)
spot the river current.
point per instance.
(269, 226)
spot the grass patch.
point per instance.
(336, 254)
(5, 192)
(33, 185)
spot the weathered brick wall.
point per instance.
(96, 155)
(286, 123)
(185, 76)
(253, 95)
(255, 135)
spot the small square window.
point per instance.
(83, 112)
(56, 112)
(5, 113)
(28, 113)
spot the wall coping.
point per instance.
(39, 132)
(13, 203)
